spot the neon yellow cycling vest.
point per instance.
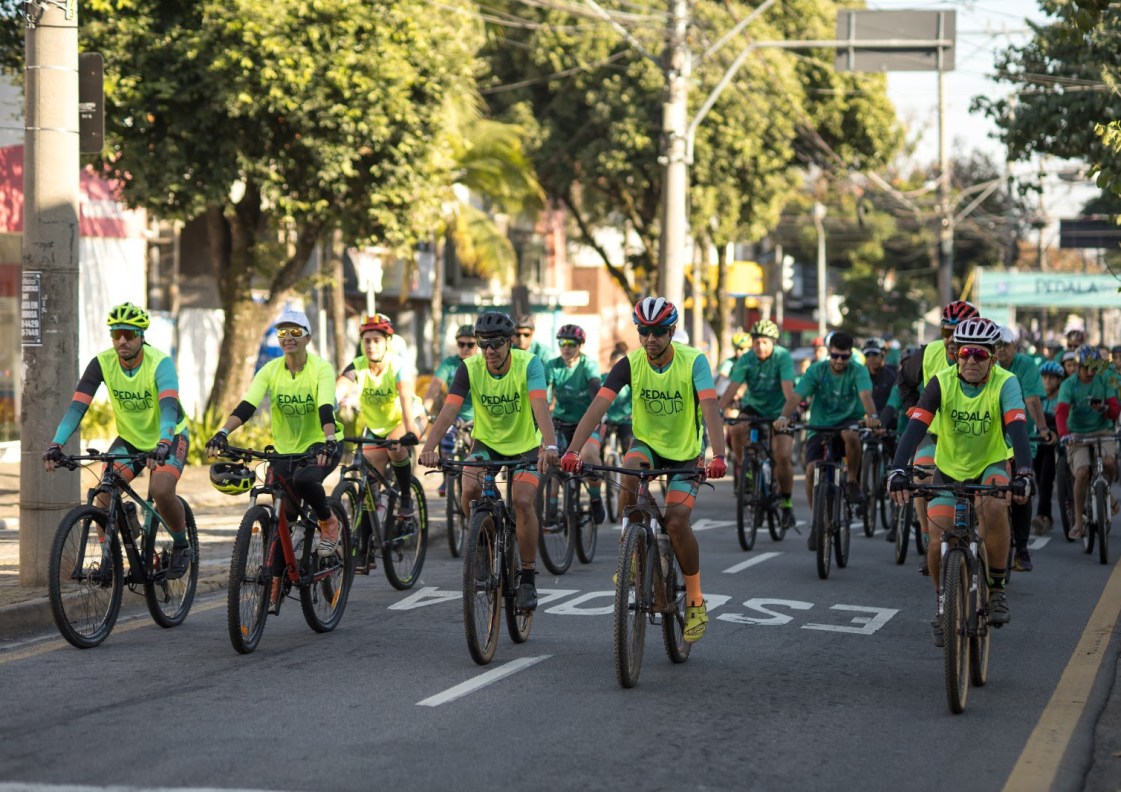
(503, 416)
(135, 400)
(379, 400)
(970, 430)
(666, 414)
(934, 360)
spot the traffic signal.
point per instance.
(787, 273)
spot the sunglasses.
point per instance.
(872, 353)
(466, 344)
(840, 355)
(567, 343)
(974, 353)
(947, 332)
(525, 333)
(491, 343)
(127, 335)
(290, 332)
(657, 332)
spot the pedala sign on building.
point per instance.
(1048, 290)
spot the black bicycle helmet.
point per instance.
(465, 331)
(232, 478)
(494, 323)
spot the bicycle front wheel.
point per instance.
(955, 628)
(1105, 518)
(902, 516)
(406, 541)
(518, 622)
(247, 596)
(481, 588)
(869, 468)
(86, 578)
(453, 511)
(979, 632)
(745, 494)
(631, 603)
(822, 528)
(578, 509)
(169, 601)
(611, 487)
(323, 593)
(554, 538)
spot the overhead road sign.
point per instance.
(895, 40)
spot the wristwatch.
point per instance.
(551, 448)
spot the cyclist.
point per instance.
(574, 380)
(673, 401)
(620, 414)
(509, 388)
(841, 393)
(301, 392)
(1087, 405)
(1031, 386)
(442, 379)
(1076, 338)
(385, 394)
(1052, 375)
(144, 394)
(741, 342)
(882, 375)
(767, 372)
(971, 407)
(523, 339)
(1070, 364)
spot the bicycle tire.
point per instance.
(406, 541)
(247, 594)
(84, 603)
(1102, 506)
(747, 526)
(611, 487)
(169, 601)
(673, 624)
(453, 512)
(581, 524)
(1065, 494)
(481, 588)
(631, 603)
(349, 496)
(903, 516)
(955, 601)
(979, 632)
(869, 465)
(518, 623)
(842, 528)
(822, 516)
(1088, 526)
(324, 596)
(554, 539)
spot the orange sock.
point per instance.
(693, 590)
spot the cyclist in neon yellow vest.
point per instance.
(673, 400)
(144, 394)
(301, 391)
(971, 407)
(507, 386)
(385, 400)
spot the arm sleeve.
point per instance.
(461, 383)
(535, 377)
(1062, 412)
(244, 411)
(618, 377)
(167, 385)
(923, 414)
(83, 394)
(910, 378)
(1016, 422)
(702, 379)
(350, 369)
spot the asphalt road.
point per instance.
(799, 683)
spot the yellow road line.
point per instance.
(1039, 762)
(50, 646)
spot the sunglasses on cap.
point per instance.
(290, 332)
(567, 343)
(657, 332)
(974, 353)
(127, 335)
(491, 343)
(466, 344)
(840, 355)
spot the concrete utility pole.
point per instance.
(946, 228)
(675, 122)
(49, 260)
(822, 269)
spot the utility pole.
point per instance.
(49, 263)
(674, 159)
(946, 228)
(822, 271)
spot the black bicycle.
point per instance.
(491, 562)
(86, 567)
(873, 476)
(564, 513)
(832, 510)
(272, 555)
(453, 487)
(757, 497)
(370, 502)
(613, 451)
(1097, 517)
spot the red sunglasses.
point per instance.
(977, 353)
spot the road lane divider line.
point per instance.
(742, 565)
(481, 681)
(1039, 762)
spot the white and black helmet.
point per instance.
(978, 332)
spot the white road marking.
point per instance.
(481, 681)
(742, 565)
(705, 524)
(1038, 542)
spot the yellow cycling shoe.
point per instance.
(696, 619)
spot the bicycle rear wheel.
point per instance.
(869, 470)
(169, 601)
(323, 597)
(842, 527)
(979, 633)
(902, 516)
(745, 495)
(554, 538)
(518, 622)
(578, 510)
(823, 532)
(1065, 494)
(955, 627)
(453, 511)
(86, 578)
(631, 604)
(673, 624)
(406, 541)
(247, 595)
(481, 588)
(1102, 507)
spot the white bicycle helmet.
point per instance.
(977, 332)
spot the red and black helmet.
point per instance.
(379, 322)
(573, 333)
(654, 312)
(958, 311)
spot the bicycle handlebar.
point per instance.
(382, 442)
(486, 464)
(644, 473)
(246, 454)
(72, 462)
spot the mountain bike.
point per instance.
(873, 475)
(1097, 518)
(564, 513)
(272, 555)
(86, 567)
(757, 498)
(832, 510)
(965, 590)
(370, 502)
(649, 586)
(453, 488)
(492, 567)
(613, 452)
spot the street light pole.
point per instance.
(671, 263)
(819, 218)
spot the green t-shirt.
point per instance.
(764, 380)
(446, 372)
(571, 387)
(295, 401)
(380, 400)
(1082, 418)
(836, 397)
(1031, 384)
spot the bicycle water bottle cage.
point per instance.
(755, 434)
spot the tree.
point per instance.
(280, 121)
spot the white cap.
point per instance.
(298, 318)
(680, 336)
(1007, 335)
